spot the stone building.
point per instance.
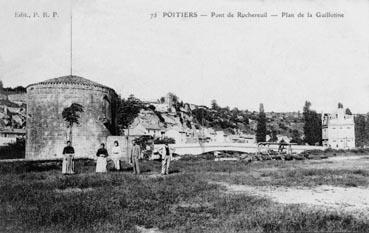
(338, 130)
(46, 130)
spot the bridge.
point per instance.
(192, 149)
(200, 148)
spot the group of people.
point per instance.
(102, 156)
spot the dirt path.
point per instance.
(341, 162)
(352, 199)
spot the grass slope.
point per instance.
(38, 198)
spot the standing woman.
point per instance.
(116, 155)
(68, 163)
(101, 154)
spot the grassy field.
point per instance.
(38, 198)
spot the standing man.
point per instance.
(68, 163)
(166, 156)
(135, 155)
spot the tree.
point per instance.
(296, 137)
(71, 115)
(360, 133)
(312, 125)
(164, 140)
(173, 97)
(128, 110)
(282, 126)
(144, 141)
(132, 98)
(273, 136)
(246, 120)
(151, 107)
(261, 129)
(366, 135)
(200, 115)
(18, 89)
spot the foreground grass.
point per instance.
(42, 200)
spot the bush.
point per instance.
(144, 140)
(164, 140)
(205, 156)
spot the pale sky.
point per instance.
(239, 62)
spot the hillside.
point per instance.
(171, 113)
(12, 108)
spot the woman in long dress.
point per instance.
(101, 154)
(116, 155)
(68, 163)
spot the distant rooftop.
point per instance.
(70, 79)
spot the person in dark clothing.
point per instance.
(68, 163)
(134, 157)
(101, 154)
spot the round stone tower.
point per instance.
(47, 131)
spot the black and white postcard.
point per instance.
(168, 116)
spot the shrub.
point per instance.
(164, 140)
(205, 156)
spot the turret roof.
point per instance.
(70, 79)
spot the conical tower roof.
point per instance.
(71, 79)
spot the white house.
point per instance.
(209, 134)
(154, 131)
(177, 134)
(137, 130)
(220, 137)
(283, 138)
(338, 130)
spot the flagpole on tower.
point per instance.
(71, 40)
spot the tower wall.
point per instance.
(46, 130)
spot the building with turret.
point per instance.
(338, 129)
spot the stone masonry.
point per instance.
(46, 130)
